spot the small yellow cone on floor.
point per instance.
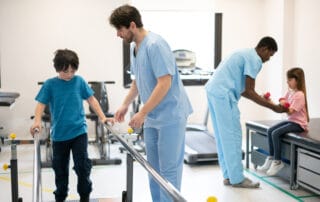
(212, 199)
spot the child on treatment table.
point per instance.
(297, 122)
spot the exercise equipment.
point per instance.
(13, 170)
(127, 195)
(103, 137)
(139, 142)
(200, 144)
(45, 136)
(284, 103)
(127, 142)
(46, 140)
(7, 99)
(267, 95)
(36, 185)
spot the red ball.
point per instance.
(286, 105)
(267, 95)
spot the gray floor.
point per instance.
(199, 182)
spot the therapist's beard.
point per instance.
(129, 39)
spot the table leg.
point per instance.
(292, 166)
(247, 147)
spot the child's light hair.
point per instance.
(298, 74)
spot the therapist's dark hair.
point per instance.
(269, 43)
(124, 15)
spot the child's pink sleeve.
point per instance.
(297, 102)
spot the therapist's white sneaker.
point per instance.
(267, 164)
(275, 167)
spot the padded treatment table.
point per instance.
(8, 98)
(300, 152)
(9, 94)
(6, 101)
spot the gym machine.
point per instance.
(103, 138)
(13, 170)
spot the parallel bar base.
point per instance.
(98, 200)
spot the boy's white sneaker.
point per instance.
(266, 165)
(275, 167)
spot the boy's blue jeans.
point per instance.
(82, 166)
(275, 134)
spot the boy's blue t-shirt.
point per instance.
(230, 76)
(65, 100)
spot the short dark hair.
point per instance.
(124, 15)
(64, 58)
(268, 42)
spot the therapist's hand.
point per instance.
(137, 120)
(279, 108)
(120, 113)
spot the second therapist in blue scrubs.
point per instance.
(235, 77)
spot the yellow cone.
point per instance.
(5, 166)
(212, 199)
(13, 136)
(130, 130)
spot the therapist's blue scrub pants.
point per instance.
(225, 117)
(165, 153)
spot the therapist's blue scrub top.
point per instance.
(230, 76)
(154, 59)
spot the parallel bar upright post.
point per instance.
(14, 173)
(129, 194)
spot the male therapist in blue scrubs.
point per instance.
(166, 106)
(235, 77)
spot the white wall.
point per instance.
(192, 33)
(245, 22)
(30, 32)
(306, 45)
